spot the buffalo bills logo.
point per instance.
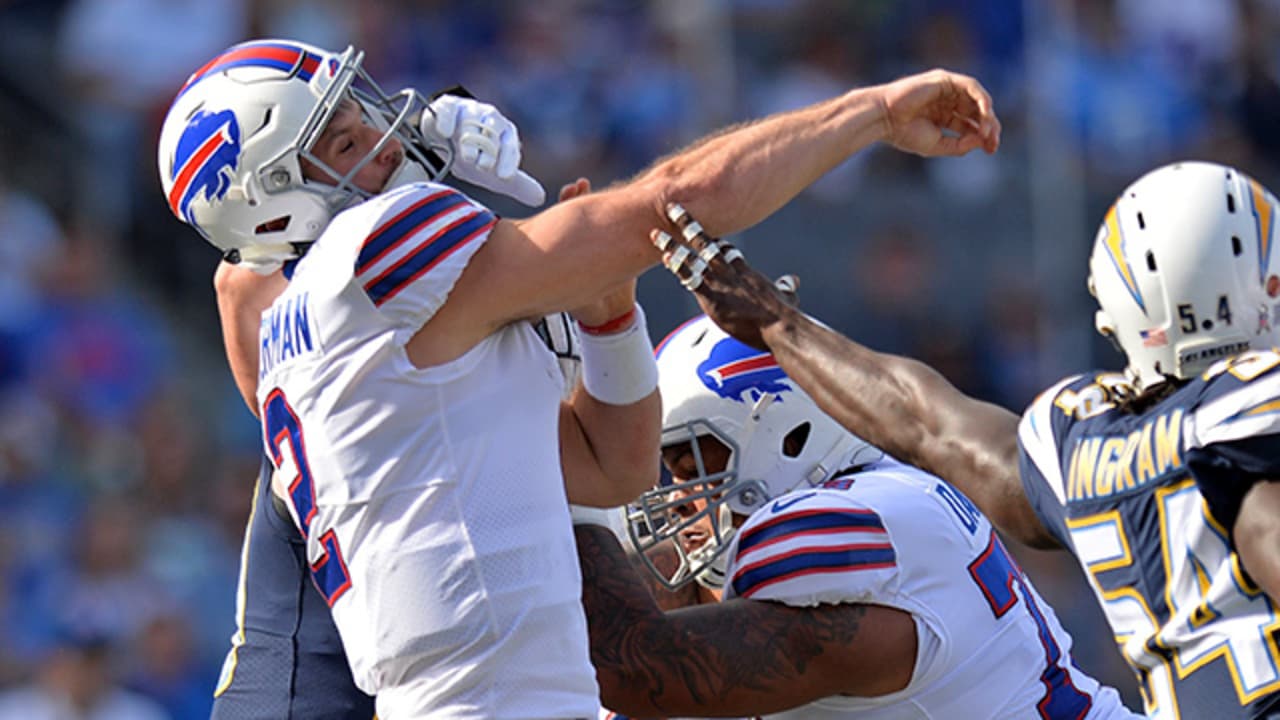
(205, 163)
(738, 372)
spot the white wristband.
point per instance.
(620, 369)
(613, 519)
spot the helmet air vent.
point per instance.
(1231, 203)
(266, 120)
(1142, 222)
(1151, 261)
(1236, 247)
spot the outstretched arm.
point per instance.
(901, 405)
(574, 251)
(741, 657)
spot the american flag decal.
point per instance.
(1155, 337)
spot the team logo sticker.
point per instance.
(207, 157)
(739, 372)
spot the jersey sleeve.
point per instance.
(809, 549)
(422, 240)
(1040, 458)
(1232, 440)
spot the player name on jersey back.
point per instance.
(286, 332)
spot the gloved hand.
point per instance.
(486, 147)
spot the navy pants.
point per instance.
(290, 664)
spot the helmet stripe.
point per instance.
(280, 56)
(1115, 248)
(1264, 218)
(657, 352)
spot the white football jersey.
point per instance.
(432, 499)
(988, 645)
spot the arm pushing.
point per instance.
(741, 657)
(901, 405)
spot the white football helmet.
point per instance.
(711, 384)
(231, 145)
(1183, 270)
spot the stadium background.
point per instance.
(126, 457)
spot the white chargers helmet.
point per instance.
(1183, 270)
(232, 143)
(778, 438)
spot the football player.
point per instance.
(286, 660)
(414, 417)
(854, 585)
(1159, 478)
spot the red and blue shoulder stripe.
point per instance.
(810, 542)
(412, 242)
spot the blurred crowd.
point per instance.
(126, 456)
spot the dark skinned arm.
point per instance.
(899, 404)
(731, 659)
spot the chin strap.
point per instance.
(838, 460)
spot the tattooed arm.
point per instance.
(740, 657)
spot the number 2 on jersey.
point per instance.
(997, 574)
(284, 434)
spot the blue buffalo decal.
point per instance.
(207, 156)
(739, 372)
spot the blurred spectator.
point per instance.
(120, 60)
(1198, 41)
(99, 353)
(164, 668)
(75, 681)
(30, 241)
(1128, 108)
(103, 589)
(1008, 343)
(894, 290)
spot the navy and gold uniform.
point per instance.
(1145, 501)
(286, 660)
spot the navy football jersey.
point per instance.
(1145, 501)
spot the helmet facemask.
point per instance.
(397, 116)
(692, 511)
(773, 437)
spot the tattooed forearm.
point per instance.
(744, 657)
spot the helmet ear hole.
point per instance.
(279, 224)
(793, 444)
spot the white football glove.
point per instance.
(486, 147)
